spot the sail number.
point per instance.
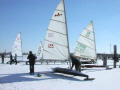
(80, 47)
(50, 46)
(87, 34)
(58, 14)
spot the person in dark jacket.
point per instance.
(11, 59)
(31, 58)
(104, 60)
(76, 63)
(3, 56)
(15, 58)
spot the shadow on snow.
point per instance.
(25, 77)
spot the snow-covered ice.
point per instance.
(16, 77)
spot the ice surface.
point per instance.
(16, 77)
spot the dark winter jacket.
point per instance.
(75, 60)
(31, 58)
(2, 56)
(11, 58)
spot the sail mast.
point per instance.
(94, 37)
(67, 33)
(21, 44)
(40, 51)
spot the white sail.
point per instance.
(17, 46)
(56, 45)
(40, 51)
(85, 46)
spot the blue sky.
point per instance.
(31, 18)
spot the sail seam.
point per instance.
(59, 10)
(58, 50)
(56, 43)
(89, 30)
(58, 21)
(86, 37)
(86, 45)
(56, 32)
(49, 53)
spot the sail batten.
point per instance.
(57, 21)
(57, 32)
(86, 37)
(89, 30)
(85, 45)
(56, 40)
(57, 43)
(59, 10)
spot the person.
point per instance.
(2, 57)
(11, 59)
(104, 60)
(15, 59)
(31, 58)
(76, 63)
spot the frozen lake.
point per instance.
(16, 77)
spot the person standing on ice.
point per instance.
(31, 58)
(11, 59)
(76, 63)
(15, 59)
(2, 56)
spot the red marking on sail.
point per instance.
(18, 38)
(50, 46)
(58, 14)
